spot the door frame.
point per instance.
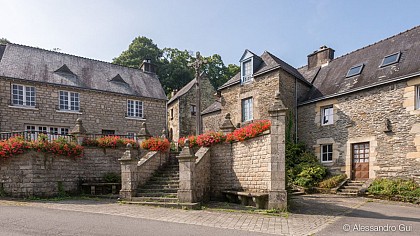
(353, 174)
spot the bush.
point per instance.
(156, 144)
(310, 175)
(332, 181)
(391, 187)
(112, 177)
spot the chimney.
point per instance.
(174, 92)
(320, 57)
(148, 67)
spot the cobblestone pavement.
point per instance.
(308, 214)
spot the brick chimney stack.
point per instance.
(320, 57)
(148, 67)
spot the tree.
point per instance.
(174, 72)
(218, 72)
(4, 41)
(141, 48)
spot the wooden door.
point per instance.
(360, 160)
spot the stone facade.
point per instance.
(183, 122)
(37, 174)
(99, 110)
(383, 116)
(212, 121)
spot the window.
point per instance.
(247, 109)
(172, 113)
(69, 101)
(52, 133)
(134, 108)
(326, 153)
(417, 97)
(355, 70)
(23, 95)
(246, 71)
(193, 110)
(391, 59)
(108, 132)
(131, 135)
(327, 115)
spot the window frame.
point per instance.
(246, 78)
(247, 114)
(193, 110)
(323, 115)
(70, 102)
(393, 62)
(328, 153)
(357, 73)
(25, 96)
(138, 111)
(417, 97)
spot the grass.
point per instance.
(332, 181)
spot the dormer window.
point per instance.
(247, 71)
(355, 70)
(391, 59)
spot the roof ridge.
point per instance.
(67, 54)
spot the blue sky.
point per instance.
(102, 29)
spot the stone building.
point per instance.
(47, 91)
(182, 109)
(358, 112)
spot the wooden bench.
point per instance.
(94, 186)
(260, 200)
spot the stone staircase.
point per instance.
(161, 190)
(351, 188)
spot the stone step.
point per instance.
(162, 182)
(349, 190)
(162, 186)
(352, 187)
(154, 199)
(178, 205)
(347, 194)
(158, 178)
(170, 175)
(158, 194)
(161, 190)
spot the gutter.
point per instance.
(360, 88)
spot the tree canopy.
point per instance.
(4, 41)
(173, 70)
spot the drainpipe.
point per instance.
(296, 112)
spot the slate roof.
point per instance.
(216, 106)
(183, 91)
(39, 65)
(331, 80)
(269, 63)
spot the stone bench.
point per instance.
(101, 186)
(260, 200)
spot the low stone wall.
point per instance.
(202, 178)
(241, 166)
(36, 174)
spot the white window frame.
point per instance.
(135, 108)
(246, 78)
(327, 115)
(193, 110)
(70, 103)
(328, 153)
(247, 109)
(417, 98)
(27, 100)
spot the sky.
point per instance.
(102, 29)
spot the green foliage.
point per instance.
(391, 187)
(112, 177)
(303, 168)
(173, 70)
(61, 191)
(332, 181)
(4, 41)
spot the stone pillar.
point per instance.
(128, 174)
(227, 125)
(78, 131)
(143, 133)
(186, 159)
(277, 197)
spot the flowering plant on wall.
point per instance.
(191, 138)
(18, 145)
(249, 131)
(210, 138)
(109, 142)
(156, 144)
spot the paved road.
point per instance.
(26, 220)
(319, 214)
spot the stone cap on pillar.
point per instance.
(163, 136)
(127, 154)
(277, 106)
(186, 152)
(78, 128)
(143, 131)
(227, 125)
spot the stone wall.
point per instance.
(383, 116)
(38, 174)
(202, 180)
(241, 165)
(148, 164)
(99, 110)
(212, 121)
(173, 120)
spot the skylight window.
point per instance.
(355, 70)
(391, 59)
